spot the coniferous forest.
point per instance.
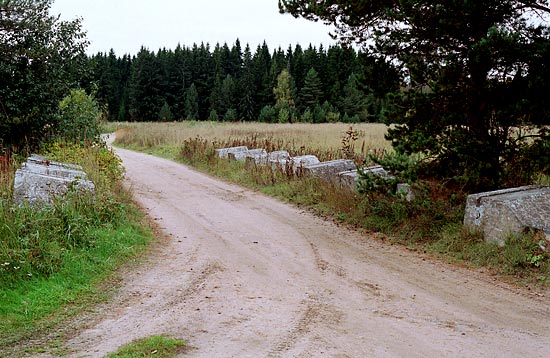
(233, 84)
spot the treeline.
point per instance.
(229, 83)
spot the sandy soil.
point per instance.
(244, 275)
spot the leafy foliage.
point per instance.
(79, 117)
(41, 58)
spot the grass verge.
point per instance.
(154, 346)
(54, 260)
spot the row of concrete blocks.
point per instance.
(496, 214)
(39, 181)
(342, 172)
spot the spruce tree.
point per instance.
(248, 88)
(192, 103)
(311, 94)
(352, 101)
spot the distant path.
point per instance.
(244, 275)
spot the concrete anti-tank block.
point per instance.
(35, 188)
(242, 156)
(406, 190)
(348, 179)
(274, 159)
(53, 170)
(329, 171)
(279, 155)
(224, 152)
(40, 160)
(499, 213)
(298, 163)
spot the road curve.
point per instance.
(244, 275)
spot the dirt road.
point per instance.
(243, 275)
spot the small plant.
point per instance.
(348, 143)
(154, 346)
(535, 260)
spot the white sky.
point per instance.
(126, 25)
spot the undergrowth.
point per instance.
(53, 257)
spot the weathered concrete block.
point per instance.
(406, 190)
(243, 155)
(224, 152)
(40, 160)
(54, 170)
(260, 159)
(36, 189)
(298, 163)
(348, 179)
(279, 155)
(273, 158)
(499, 213)
(329, 170)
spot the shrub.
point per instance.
(79, 117)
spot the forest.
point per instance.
(231, 84)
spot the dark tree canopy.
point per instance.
(41, 59)
(474, 72)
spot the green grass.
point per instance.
(54, 261)
(154, 346)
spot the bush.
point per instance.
(213, 116)
(79, 117)
(268, 114)
(230, 115)
(165, 113)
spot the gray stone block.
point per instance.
(329, 171)
(224, 152)
(274, 159)
(40, 160)
(406, 190)
(348, 179)
(39, 189)
(260, 159)
(502, 212)
(279, 155)
(241, 156)
(298, 163)
(54, 170)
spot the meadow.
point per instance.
(294, 137)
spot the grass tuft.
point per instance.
(154, 346)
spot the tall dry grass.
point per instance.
(324, 137)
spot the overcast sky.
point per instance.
(126, 25)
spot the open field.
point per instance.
(325, 136)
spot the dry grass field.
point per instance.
(326, 136)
